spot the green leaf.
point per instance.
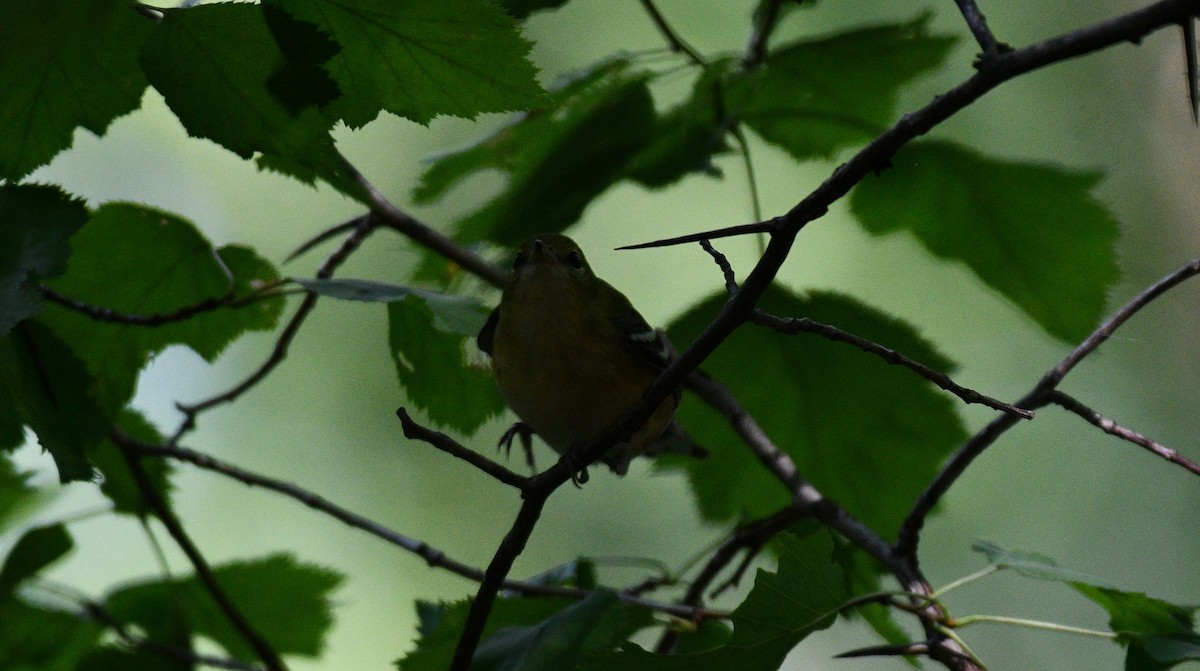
(814, 97)
(1032, 232)
(220, 70)
(35, 223)
(423, 58)
(557, 159)
(64, 65)
(441, 624)
(1158, 634)
(1169, 650)
(118, 483)
(848, 419)
(15, 493)
(287, 602)
(54, 395)
(142, 261)
(590, 627)
(686, 137)
(463, 315)
(47, 640)
(432, 368)
(36, 549)
(801, 597)
(708, 634)
(1030, 564)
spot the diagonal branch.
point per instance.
(794, 325)
(265, 651)
(185, 656)
(747, 537)
(1110, 427)
(450, 446)
(364, 227)
(1039, 396)
(432, 556)
(673, 39)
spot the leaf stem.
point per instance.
(965, 580)
(1032, 624)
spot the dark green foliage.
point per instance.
(1032, 232)
(294, 619)
(849, 420)
(802, 596)
(271, 81)
(64, 65)
(35, 224)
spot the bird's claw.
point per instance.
(525, 433)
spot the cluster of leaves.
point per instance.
(269, 81)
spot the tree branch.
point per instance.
(795, 325)
(450, 446)
(99, 613)
(673, 39)
(364, 227)
(1113, 429)
(979, 28)
(493, 579)
(265, 651)
(433, 557)
(752, 535)
(396, 219)
(1039, 396)
(764, 25)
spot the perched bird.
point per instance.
(571, 355)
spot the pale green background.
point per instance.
(324, 419)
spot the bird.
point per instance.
(571, 355)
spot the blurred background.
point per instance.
(324, 419)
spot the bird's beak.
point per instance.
(540, 252)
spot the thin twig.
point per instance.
(794, 325)
(432, 556)
(1113, 429)
(265, 651)
(673, 39)
(979, 28)
(99, 613)
(327, 234)
(756, 48)
(887, 650)
(722, 263)
(158, 319)
(752, 535)
(390, 216)
(767, 226)
(450, 446)
(279, 352)
(1039, 396)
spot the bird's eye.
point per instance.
(575, 259)
(519, 260)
